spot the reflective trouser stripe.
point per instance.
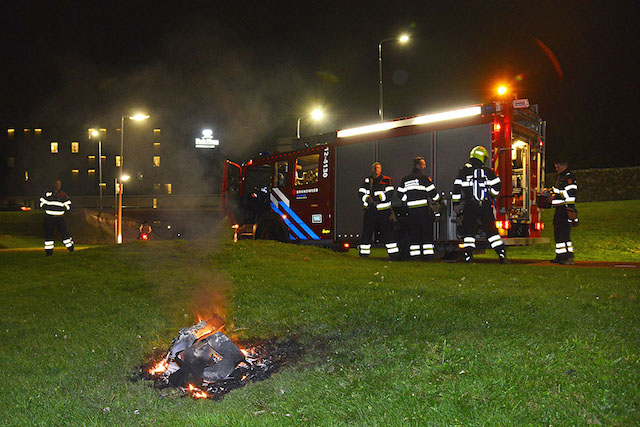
(48, 244)
(68, 242)
(469, 242)
(414, 250)
(427, 249)
(561, 248)
(570, 247)
(495, 241)
(392, 248)
(365, 249)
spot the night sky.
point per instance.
(248, 70)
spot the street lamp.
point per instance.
(119, 189)
(137, 117)
(404, 38)
(316, 115)
(96, 133)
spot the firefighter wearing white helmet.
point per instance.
(477, 186)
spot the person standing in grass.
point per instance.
(478, 186)
(375, 192)
(416, 190)
(566, 215)
(55, 203)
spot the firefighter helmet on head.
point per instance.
(480, 153)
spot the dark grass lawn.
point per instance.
(385, 343)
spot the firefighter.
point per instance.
(55, 203)
(477, 185)
(565, 216)
(376, 192)
(416, 190)
(144, 230)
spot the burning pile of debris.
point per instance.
(205, 363)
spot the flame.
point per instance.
(196, 392)
(207, 330)
(161, 367)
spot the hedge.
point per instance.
(595, 185)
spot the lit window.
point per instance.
(156, 161)
(117, 161)
(103, 157)
(75, 147)
(168, 187)
(75, 172)
(38, 131)
(92, 160)
(156, 146)
(307, 169)
(155, 203)
(156, 132)
(27, 130)
(282, 172)
(11, 162)
(11, 133)
(54, 147)
(91, 172)
(26, 175)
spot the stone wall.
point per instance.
(596, 185)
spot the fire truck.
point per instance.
(308, 193)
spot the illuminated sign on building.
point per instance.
(207, 140)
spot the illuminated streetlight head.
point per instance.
(139, 117)
(317, 114)
(502, 90)
(95, 133)
(403, 38)
(125, 177)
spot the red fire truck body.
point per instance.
(309, 194)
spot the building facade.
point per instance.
(32, 158)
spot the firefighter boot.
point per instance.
(48, 252)
(502, 256)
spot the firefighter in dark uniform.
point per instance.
(416, 190)
(565, 217)
(376, 192)
(55, 203)
(478, 185)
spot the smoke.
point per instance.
(197, 78)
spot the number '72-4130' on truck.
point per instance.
(307, 192)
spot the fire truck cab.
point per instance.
(308, 193)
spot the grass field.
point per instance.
(385, 343)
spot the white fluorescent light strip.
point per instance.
(419, 120)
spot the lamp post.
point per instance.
(137, 117)
(97, 133)
(316, 115)
(402, 39)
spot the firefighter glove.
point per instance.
(572, 216)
